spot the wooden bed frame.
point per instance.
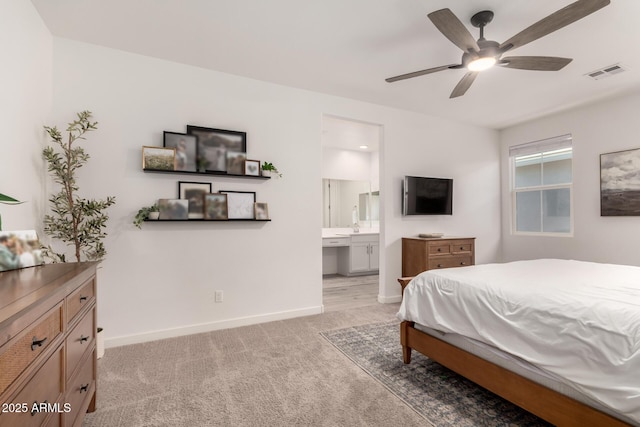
(547, 404)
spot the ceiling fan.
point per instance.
(483, 54)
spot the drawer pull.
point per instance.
(82, 299)
(439, 249)
(35, 342)
(462, 248)
(83, 338)
(439, 265)
(36, 405)
(463, 263)
(84, 387)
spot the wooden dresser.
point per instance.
(48, 345)
(422, 254)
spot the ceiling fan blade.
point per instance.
(537, 63)
(451, 27)
(422, 72)
(464, 84)
(553, 22)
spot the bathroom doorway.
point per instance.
(351, 212)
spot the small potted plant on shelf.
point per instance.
(146, 212)
(268, 169)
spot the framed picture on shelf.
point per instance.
(261, 210)
(235, 162)
(240, 204)
(213, 145)
(194, 192)
(158, 158)
(186, 150)
(252, 167)
(173, 209)
(215, 206)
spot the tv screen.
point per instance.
(427, 196)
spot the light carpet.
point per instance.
(437, 393)
(274, 374)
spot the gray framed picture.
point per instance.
(213, 145)
(252, 167)
(215, 206)
(173, 209)
(194, 192)
(261, 210)
(158, 158)
(186, 150)
(235, 162)
(240, 204)
(620, 183)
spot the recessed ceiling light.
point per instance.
(364, 147)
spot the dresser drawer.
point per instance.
(439, 249)
(27, 346)
(79, 390)
(80, 340)
(80, 298)
(449, 261)
(44, 388)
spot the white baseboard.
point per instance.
(389, 300)
(207, 327)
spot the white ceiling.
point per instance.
(348, 47)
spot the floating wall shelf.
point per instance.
(212, 173)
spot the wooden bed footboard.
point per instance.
(547, 404)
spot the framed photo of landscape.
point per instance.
(158, 158)
(620, 183)
(213, 145)
(186, 150)
(194, 192)
(240, 204)
(174, 209)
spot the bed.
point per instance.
(560, 338)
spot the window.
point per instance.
(541, 186)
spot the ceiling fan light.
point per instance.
(482, 64)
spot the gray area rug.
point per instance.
(441, 396)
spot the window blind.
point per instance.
(541, 146)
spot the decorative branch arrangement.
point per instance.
(77, 221)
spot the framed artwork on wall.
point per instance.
(240, 204)
(213, 145)
(186, 150)
(261, 210)
(173, 209)
(252, 167)
(158, 158)
(235, 162)
(215, 206)
(620, 183)
(194, 192)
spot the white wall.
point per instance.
(159, 281)
(604, 127)
(424, 146)
(25, 104)
(346, 164)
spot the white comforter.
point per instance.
(577, 320)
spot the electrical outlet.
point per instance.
(219, 296)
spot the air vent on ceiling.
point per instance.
(606, 71)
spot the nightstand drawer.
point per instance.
(20, 353)
(79, 390)
(439, 249)
(449, 262)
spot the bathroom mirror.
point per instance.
(339, 199)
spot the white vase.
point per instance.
(266, 173)
(153, 215)
(100, 343)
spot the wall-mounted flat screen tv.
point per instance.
(427, 196)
